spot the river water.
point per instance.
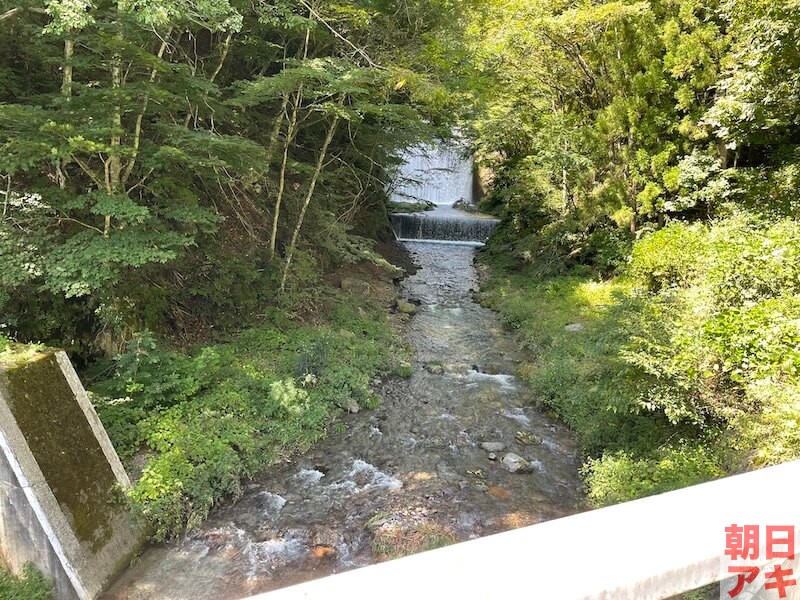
(413, 465)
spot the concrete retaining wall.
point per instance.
(60, 480)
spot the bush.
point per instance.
(698, 341)
(753, 260)
(207, 421)
(668, 257)
(607, 248)
(769, 433)
(620, 476)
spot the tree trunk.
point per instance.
(113, 164)
(317, 170)
(290, 133)
(137, 129)
(66, 82)
(226, 46)
(276, 131)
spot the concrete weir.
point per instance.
(60, 480)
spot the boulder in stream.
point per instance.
(322, 541)
(350, 405)
(527, 438)
(434, 368)
(405, 307)
(514, 463)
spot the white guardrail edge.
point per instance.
(651, 548)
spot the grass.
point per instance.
(31, 585)
(395, 540)
(581, 377)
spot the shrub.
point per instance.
(757, 341)
(620, 476)
(209, 420)
(668, 257)
(769, 433)
(158, 378)
(698, 341)
(753, 260)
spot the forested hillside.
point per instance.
(165, 164)
(646, 164)
(179, 182)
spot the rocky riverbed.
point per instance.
(454, 452)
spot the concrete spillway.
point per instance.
(444, 175)
(441, 226)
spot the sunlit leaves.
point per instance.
(69, 15)
(760, 86)
(215, 15)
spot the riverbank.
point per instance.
(192, 426)
(681, 368)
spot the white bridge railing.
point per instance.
(652, 548)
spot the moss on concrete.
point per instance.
(63, 444)
(12, 354)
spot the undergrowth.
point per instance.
(31, 585)
(685, 365)
(197, 424)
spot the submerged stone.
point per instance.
(493, 446)
(514, 463)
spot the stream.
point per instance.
(412, 468)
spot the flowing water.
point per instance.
(414, 464)
(415, 459)
(444, 224)
(436, 173)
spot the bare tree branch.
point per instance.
(358, 50)
(15, 11)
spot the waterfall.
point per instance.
(440, 174)
(436, 173)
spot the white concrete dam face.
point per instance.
(436, 173)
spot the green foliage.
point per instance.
(698, 342)
(619, 477)
(669, 257)
(768, 433)
(206, 421)
(32, 585)
(635, 112)
(754, 260)
(140, 168)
